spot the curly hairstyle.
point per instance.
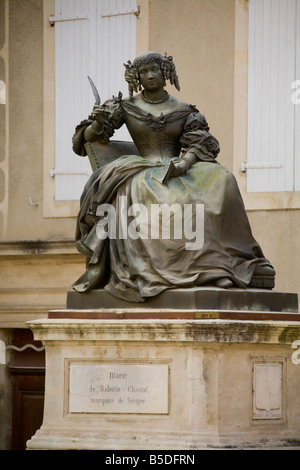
(165, 62)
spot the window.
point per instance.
(273, 154)
(95, 38)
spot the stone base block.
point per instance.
(169, 384)
(211, 298)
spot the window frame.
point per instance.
(66, 208)
(51, 207)
(273, 200)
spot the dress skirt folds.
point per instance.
(141, 236)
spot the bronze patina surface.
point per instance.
(197, 298)
(175, 164)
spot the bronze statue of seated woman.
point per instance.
(169, 215)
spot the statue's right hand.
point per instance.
(98, 114)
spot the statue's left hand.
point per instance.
(185, 163)
(181, 168)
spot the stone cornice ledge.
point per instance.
(37, 247)
(202, 331)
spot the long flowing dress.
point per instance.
(135, 268)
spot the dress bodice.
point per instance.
(156, 137)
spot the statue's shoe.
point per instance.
(224, 283)
(263, 278)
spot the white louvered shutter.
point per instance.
(95, 38)
(272, 123)
(297, 102)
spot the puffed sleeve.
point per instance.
(197, 139)
(113, 120)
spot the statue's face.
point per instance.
(151, 76)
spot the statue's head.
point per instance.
(165, 63)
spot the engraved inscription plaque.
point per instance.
(267, 390)
(118, 388)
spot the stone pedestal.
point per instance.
(146, 382)
(197, 298)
